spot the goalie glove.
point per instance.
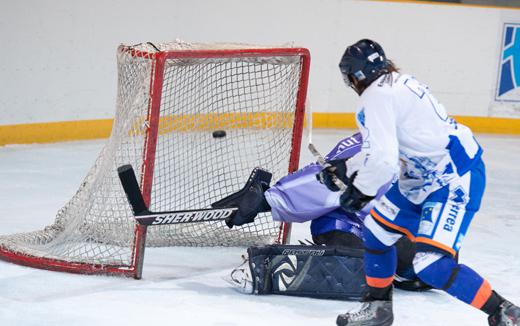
(337, 169)
(250, 200)
(353, 200)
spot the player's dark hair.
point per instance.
(392, 67)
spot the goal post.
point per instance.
(171, 97)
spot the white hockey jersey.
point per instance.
(407, 132)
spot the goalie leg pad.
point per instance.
(308, 271)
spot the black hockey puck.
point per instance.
(219, 133)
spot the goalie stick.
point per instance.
(340, 184)
(145, 217)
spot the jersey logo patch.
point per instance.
(429, 217)
(459, 196)
(387, 208)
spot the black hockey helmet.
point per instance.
(362, 63)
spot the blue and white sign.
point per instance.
(508, 81)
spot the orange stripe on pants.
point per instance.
(436, 244)
(483, 294)
(377, 282)
(392, 226)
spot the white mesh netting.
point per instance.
(251, 97)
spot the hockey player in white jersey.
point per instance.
(441, 180)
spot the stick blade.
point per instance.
(131, 187)
(187, 216)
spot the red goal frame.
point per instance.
(156, 83)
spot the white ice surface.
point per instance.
(184, 286)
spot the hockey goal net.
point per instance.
(171, 97)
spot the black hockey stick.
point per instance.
(324, 164)
(145, 217)
(340, 184)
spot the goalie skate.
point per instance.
(241, 278)
(371, 313)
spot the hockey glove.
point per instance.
(337, 169)
(353, 200)
(250, 200)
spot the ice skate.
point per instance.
(507, 315)
(371, 313)
(241, 277)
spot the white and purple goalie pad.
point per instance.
(300, 197)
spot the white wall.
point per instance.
(57, 60)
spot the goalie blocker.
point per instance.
(325, 272)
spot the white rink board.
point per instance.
(58, 62)
(184, 286)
